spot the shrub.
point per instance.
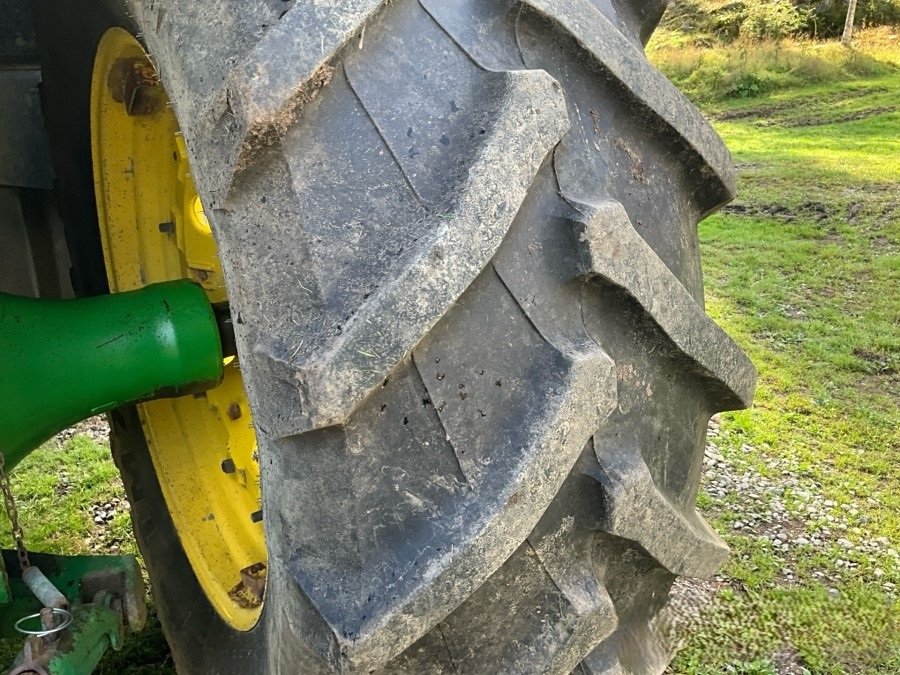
(775, 20)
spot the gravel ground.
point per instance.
(95, 428)
(786, 511)
(790, 513)
(102, 512)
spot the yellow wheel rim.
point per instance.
(153, 229)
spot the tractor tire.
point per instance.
(459, 240)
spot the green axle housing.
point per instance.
(66, 360)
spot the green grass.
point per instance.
(56, 488)
(813, 293)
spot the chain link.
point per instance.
(10, 503)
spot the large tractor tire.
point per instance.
(459, 245)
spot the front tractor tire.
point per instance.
(458, 241)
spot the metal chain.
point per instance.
(10, 503)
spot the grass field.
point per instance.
(804, 271)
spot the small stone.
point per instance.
(801, 541)
(829, 503)
(98, 520)
(738, 525)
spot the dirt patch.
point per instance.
(889, 214)
(814, 211)
(771, 210)
(853, 212)
(882, 244)
(788, 661)
(880, 384)
(879, 361)
(774, 110)
(822, 120)
(811, 211)
(834, 237)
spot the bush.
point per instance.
(772, 19)
(775, 20)
(722, 75)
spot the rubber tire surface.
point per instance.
(460, 246)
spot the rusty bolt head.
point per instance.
(133, 82)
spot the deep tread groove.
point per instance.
(637, 510)
(263, 94)
(612, 249)
(626, 62)
(529, 119)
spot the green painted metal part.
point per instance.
(94, 629)
(69, 574)
(106, 596)
(65, 360)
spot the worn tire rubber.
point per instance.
(459, 238)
